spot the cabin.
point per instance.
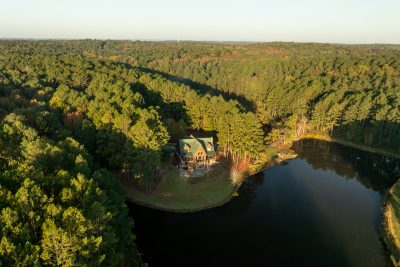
(200, 151)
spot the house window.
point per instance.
(186, 148)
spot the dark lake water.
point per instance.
(321, 209)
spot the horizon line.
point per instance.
(156, 40)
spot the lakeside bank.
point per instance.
(174, 194)
(391, 222)
(351, 144)
(391, 203)
(179, 194)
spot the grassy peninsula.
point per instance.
(72, 113)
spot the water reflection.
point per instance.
(373, 171)
(321, 209)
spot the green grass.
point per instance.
(178, 194)
(392, 221)
(175, 193)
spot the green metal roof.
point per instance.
(194, 144)
(188, 154)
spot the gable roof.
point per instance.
(194, 144)
(207, 142)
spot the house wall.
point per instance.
(198, 154)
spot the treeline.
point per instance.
(121, 114)
(114, 122)
(56, 208)
(67, 121)
(348, 92)
(73, 112)
(239, 133)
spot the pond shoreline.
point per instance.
(277, 158)
(155, 207)
(389, 234)
(350, 144)
(294, 190)
(178, 194)
(386, 234)
(387, 209)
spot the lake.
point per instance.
(321, 209)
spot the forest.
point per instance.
(74, 113)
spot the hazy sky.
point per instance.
(339, 21)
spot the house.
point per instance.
(197, 150)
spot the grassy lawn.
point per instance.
(392, 219)
(175, 193)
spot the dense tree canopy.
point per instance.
(56, 208)
(73, 112)
(64, 116)
(349, 92)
